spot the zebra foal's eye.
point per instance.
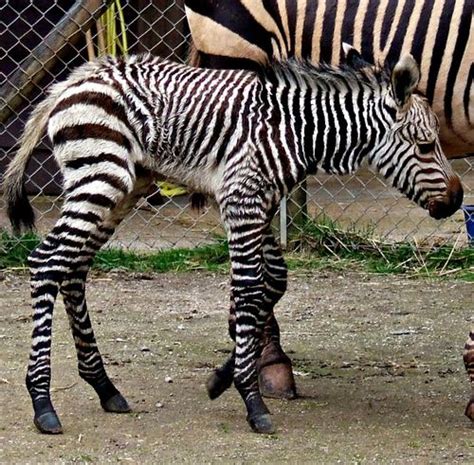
(426, 147)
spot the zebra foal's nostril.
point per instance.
(450, 202)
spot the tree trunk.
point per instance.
(78, 19)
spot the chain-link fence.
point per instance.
(360, 202)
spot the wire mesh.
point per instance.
(362, 201)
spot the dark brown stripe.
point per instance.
(97, 199)
(103, 101)
(327, 36)
(90, 131)
(421, 31)
(308, 29)
(92, 160)
(439, 47)
(459, 49)
(107, 178)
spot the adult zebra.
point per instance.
(246, 138)
(438, 33)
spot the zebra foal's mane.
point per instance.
(294, 69)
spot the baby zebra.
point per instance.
(244, 137)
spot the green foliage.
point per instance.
(15, 250)
(324, 244)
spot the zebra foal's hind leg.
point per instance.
(274, 366)
(61, 254)
(90, 365)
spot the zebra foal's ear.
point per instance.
(405, 78)
(353, 58)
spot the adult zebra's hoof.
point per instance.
(116, 404)
(261, 424)
(469, 412)
(48, 423)
(277, 381)
(275, 373)
(217, 383)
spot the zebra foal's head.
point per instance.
(409, 153)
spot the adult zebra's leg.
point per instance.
(469, 364)
(90, 364)
(274, 366)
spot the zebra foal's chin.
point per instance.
(246, 138)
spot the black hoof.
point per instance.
(216, 385)
(261, 424)
(48, 423)
(116, 404)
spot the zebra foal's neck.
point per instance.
(333, 116)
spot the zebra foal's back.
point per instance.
(144, 109)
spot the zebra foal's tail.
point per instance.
(20, 212)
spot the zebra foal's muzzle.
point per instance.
(446, 205)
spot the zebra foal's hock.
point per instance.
(247, 138)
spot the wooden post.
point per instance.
(297, 212)
(78, 19)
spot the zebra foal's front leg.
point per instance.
(275, 373)
(274, 366)
(246, 222)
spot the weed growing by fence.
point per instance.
(322, 246)
(326, 244)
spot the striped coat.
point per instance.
(438, 33)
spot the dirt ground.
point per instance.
(378, 363)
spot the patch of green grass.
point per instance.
(212, 258)
(224, 427)
(322, 246)
(83, 458)
(325, 245)
(15, 250)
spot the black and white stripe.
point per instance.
(246, 138)
(438, 33)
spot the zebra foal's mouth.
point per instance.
(445, 205)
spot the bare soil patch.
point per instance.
(378, 362)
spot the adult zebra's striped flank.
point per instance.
(438, 33)
(247, 138)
